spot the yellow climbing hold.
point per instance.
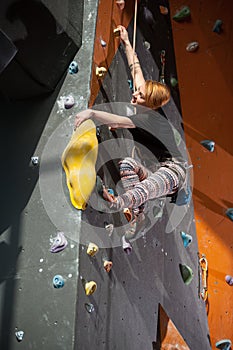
(92, 249)
(78, 161)
(90, 287)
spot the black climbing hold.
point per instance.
(89, 307)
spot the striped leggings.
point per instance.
(140, 184)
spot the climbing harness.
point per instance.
(204, 270)
(162, 59)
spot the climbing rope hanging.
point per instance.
(134, 41)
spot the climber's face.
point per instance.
(138, 97)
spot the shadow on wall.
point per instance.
(45, 51)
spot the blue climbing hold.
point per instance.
(229, 213)
(224, 344)
(183, 197)
(58, 281)
(110, 191)
(208, 144)
(217, 28)
(73, 67)
(187, 239)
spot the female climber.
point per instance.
(140, 183)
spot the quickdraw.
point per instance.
(204, 271)
(162, 58)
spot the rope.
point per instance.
(134, 41)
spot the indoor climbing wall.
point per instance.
(38, 258)
(151, 298)
(205, 85)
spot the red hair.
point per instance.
(156, 94)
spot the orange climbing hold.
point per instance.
(78, 161)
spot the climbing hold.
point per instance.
(107, 265)
(120, 4)
(187, 239)
(78, 161)
(183, 196)
(59, 243)
(173, 82)
(110, 191)
(217, 28)
(117, 32)
(182, 14)
(128, 214)
(130, 82)
(69, 102)
(100, 72)
(224, 344)
(186, 273)
(35, 160)
(208, 144)
(58, 281)
(19, 335)
(126, 246)
(193, 46)
(92, 249)
(229, 213)
(89, 287)
(229, 280)
(89, 307)
(109, 228)
(146, 45)
(148, 15)
(163, 10)
(103, 43)
(73, 67)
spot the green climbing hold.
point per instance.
(186, 273)
(173, 82)
(182, 14)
